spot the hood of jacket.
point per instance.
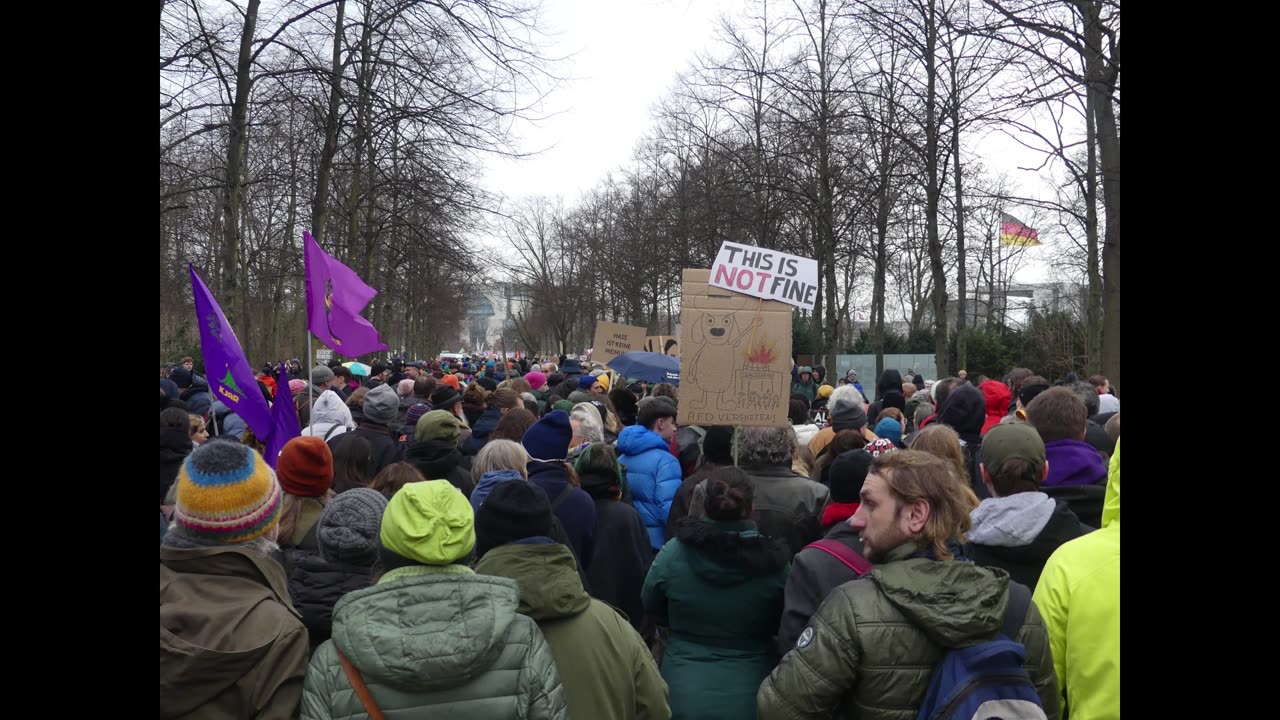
(550, 587)
(730, 553)
(426, 633)
(433, 458)
(488, 482)
(329, 409)
(965, 411)
(1073, 462)
(483, 426)
(997, 396)
(1011, 521)
(175, 444)
(637, 439)
(1108, 403)
(600, 485)
(1111, 505)
(889, 380)
(551, 475)
(201, 659)
(955, 603)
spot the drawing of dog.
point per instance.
(717, 360)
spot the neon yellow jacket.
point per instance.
(1079, 597)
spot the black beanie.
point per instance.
(1027, 393)
(846, 474)
(512, 511)
(717, 446)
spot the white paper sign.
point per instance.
(769, 274)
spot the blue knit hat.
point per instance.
(889, 429)
(548, 439)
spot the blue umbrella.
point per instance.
(648, 366)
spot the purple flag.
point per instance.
(284, 419)
(335, 298)
(230, 378)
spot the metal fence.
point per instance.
(865, 365)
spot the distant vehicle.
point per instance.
(453, 357)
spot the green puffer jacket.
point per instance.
(439, 645)
(608, 671)
(875, 641)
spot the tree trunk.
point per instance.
(1093, 312)
(231, 189)
(960, 262)
(881, 261)
(362, 130)
(1100, 77)
(320, 203)
(932, 194)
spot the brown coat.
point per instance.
(231, 644)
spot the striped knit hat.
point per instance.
(227, 494)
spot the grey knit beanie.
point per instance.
(347, 531)
(381, 404)
(320, 375)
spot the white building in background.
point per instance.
(490, 310)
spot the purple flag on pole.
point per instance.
(230, 378)
(335, 298)
(284, 419)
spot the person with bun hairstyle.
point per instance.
(718, 587)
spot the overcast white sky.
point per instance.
(627, 54)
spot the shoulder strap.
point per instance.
(844, 554)
(309, 541)
(330, 431)
(1016, 611)
(564, 495)
(362, 690)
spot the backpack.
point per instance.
(987, 681)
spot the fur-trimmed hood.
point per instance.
(730, 553)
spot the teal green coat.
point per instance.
(436, 646)
(719, 588)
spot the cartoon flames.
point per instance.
(762, 354)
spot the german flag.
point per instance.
(1013, 232)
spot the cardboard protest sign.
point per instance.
(612, 340)
(665, 344)
(769, 274)
(735, 364)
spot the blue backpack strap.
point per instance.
(1016, 611)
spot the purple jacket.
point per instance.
(1072, 462)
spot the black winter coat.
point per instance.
(1024, 563)
(175, 446)
(1083, 500)
(814, 574)
(315, 585)
(440, 460)
(384, 449)
(621, 555)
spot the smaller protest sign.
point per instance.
(768, 274)
(612, 339)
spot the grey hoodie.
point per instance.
(1011, 521)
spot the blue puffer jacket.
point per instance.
(654, 476)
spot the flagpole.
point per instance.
(311, 397)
